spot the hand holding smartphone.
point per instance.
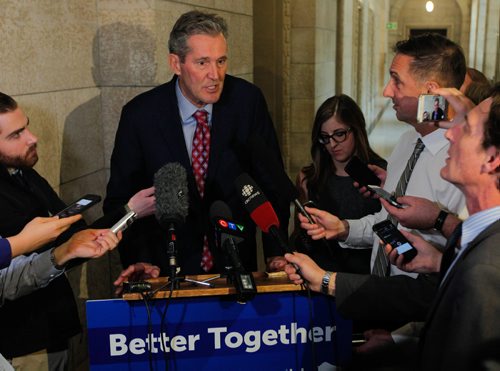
(385, 195)
(389, 234)
(79, 206)
(361, 173)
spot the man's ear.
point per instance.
(430, 85)
(492, 163)
(175, 63)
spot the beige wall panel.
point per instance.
(299, 150)
(326, 13)
(48, 47)
(79, 113)
(301, 76)
(69, 133)
(303, 13)
(239, 6)
(303, 45)
(325, 45)
(240, 43)
(302, 116)
(324, 77)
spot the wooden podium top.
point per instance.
(265, 282)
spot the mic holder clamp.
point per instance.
(172, 255)
(244, 284)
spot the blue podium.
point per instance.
(281, 328)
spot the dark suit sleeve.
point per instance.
(127, 174)
(396, 298)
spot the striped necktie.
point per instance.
(381, 265)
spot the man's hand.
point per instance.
(460, 103)
(309, 271)
(276, 263)
(380, 173)
(136, 272)
(143, 202)
(89, 243)
(427, 260)
(39, 232)
(418, 213)
(376, 340)
(326, 225)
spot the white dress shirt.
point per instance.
(425, 181)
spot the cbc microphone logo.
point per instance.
(247, 190)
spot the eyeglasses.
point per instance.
(338, 136)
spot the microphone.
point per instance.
(171, 193)
(260, 209)
(229, 234)
(274, 170)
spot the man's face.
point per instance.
(17, 143)
(201, 75)
(403, 89)
(466, 153)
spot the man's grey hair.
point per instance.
(194, 23)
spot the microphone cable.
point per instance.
(145, 298)
(163, 330)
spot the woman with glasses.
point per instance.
(338, 133)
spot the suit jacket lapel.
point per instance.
(492, 229)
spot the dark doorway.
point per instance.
(420, 31)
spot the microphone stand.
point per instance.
(172, 255)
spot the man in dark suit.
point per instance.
(161, 126)
(437, 113)
(464, 314)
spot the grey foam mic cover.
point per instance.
(171, 193)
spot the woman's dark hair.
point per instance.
(348, 112)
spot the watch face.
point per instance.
(324, 283)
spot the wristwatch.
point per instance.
(53, 260)
(325, 282)
(438, 224)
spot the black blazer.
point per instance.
(150, 135)
(48, 317)
(465, 315)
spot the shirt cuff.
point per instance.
(5, 253)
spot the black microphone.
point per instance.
(229, 234)
(268, 160)
(171, 193)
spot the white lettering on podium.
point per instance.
(118, 344)
(251, 340)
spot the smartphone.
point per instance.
(389, 234)
(124, 222)
(385, 195)
(432, 107)
(79, 206)
(303, 211)
(358, 171)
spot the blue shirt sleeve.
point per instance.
(5, 253)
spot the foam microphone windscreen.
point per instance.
(260, 209)
(220, 209)
(171, 193)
